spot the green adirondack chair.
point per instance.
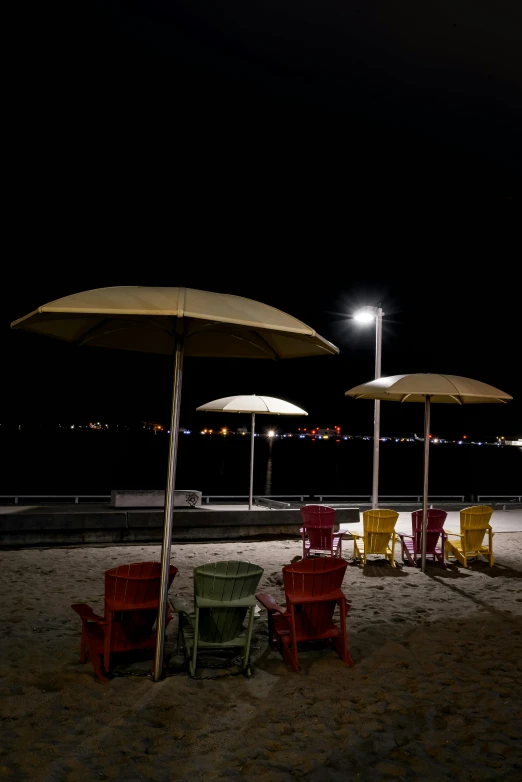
(223, 594)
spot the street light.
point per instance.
(367, 315)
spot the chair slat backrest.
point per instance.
(318, 524)
(136, 583)
(435, 523)
(318, 515)
(378, 526)
(133, 585)
(474, 523)
(227, 580)
(313, 578)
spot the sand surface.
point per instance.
(435, 693)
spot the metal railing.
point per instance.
(416, 497)
(45, 497)
(89, 498)
(510, 497)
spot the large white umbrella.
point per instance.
(427, 388)
(250, 403)
(179, 321)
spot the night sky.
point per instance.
(314, 156)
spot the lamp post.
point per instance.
(367, 315)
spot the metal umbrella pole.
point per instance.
(377, 410)
(426, 465)
(169, 507)
(250, 497)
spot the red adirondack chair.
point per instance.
(312, 590)
(411, 545)
(318, 532)
(131, 608)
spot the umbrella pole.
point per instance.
(426, 465)
(169, 507)
(250, 497)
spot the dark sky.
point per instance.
(310, 155)
(183, 112)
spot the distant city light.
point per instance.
(271, 433)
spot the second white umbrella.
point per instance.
(251, 403)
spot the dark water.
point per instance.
(95, 462)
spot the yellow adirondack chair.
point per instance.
(474, 526)
(379, 536)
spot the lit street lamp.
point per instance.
(367, 315)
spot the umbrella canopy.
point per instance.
(427, 388)
(175, 321)
(440, 388)
(147, 319)
(250, 403)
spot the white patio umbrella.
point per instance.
(250, 403)
(175, 321)
(427, 388)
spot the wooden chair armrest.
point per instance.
(354, 534)
(455, 534)
(268, 602)
(404, 535)
(86, 613)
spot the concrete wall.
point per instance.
(72, 526)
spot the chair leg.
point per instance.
(96, 659)
(451, 551)
(97, 669)
(291, 654)
(195, 648)
(180, 645)
(461, 557)
(107, 645)
(272, 640)
(340, 644)
(249, 637)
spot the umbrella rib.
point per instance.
(456, 398)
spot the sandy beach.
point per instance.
(435, 693)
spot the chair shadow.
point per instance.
(495, 571)
(380, 568)
(456, 570)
